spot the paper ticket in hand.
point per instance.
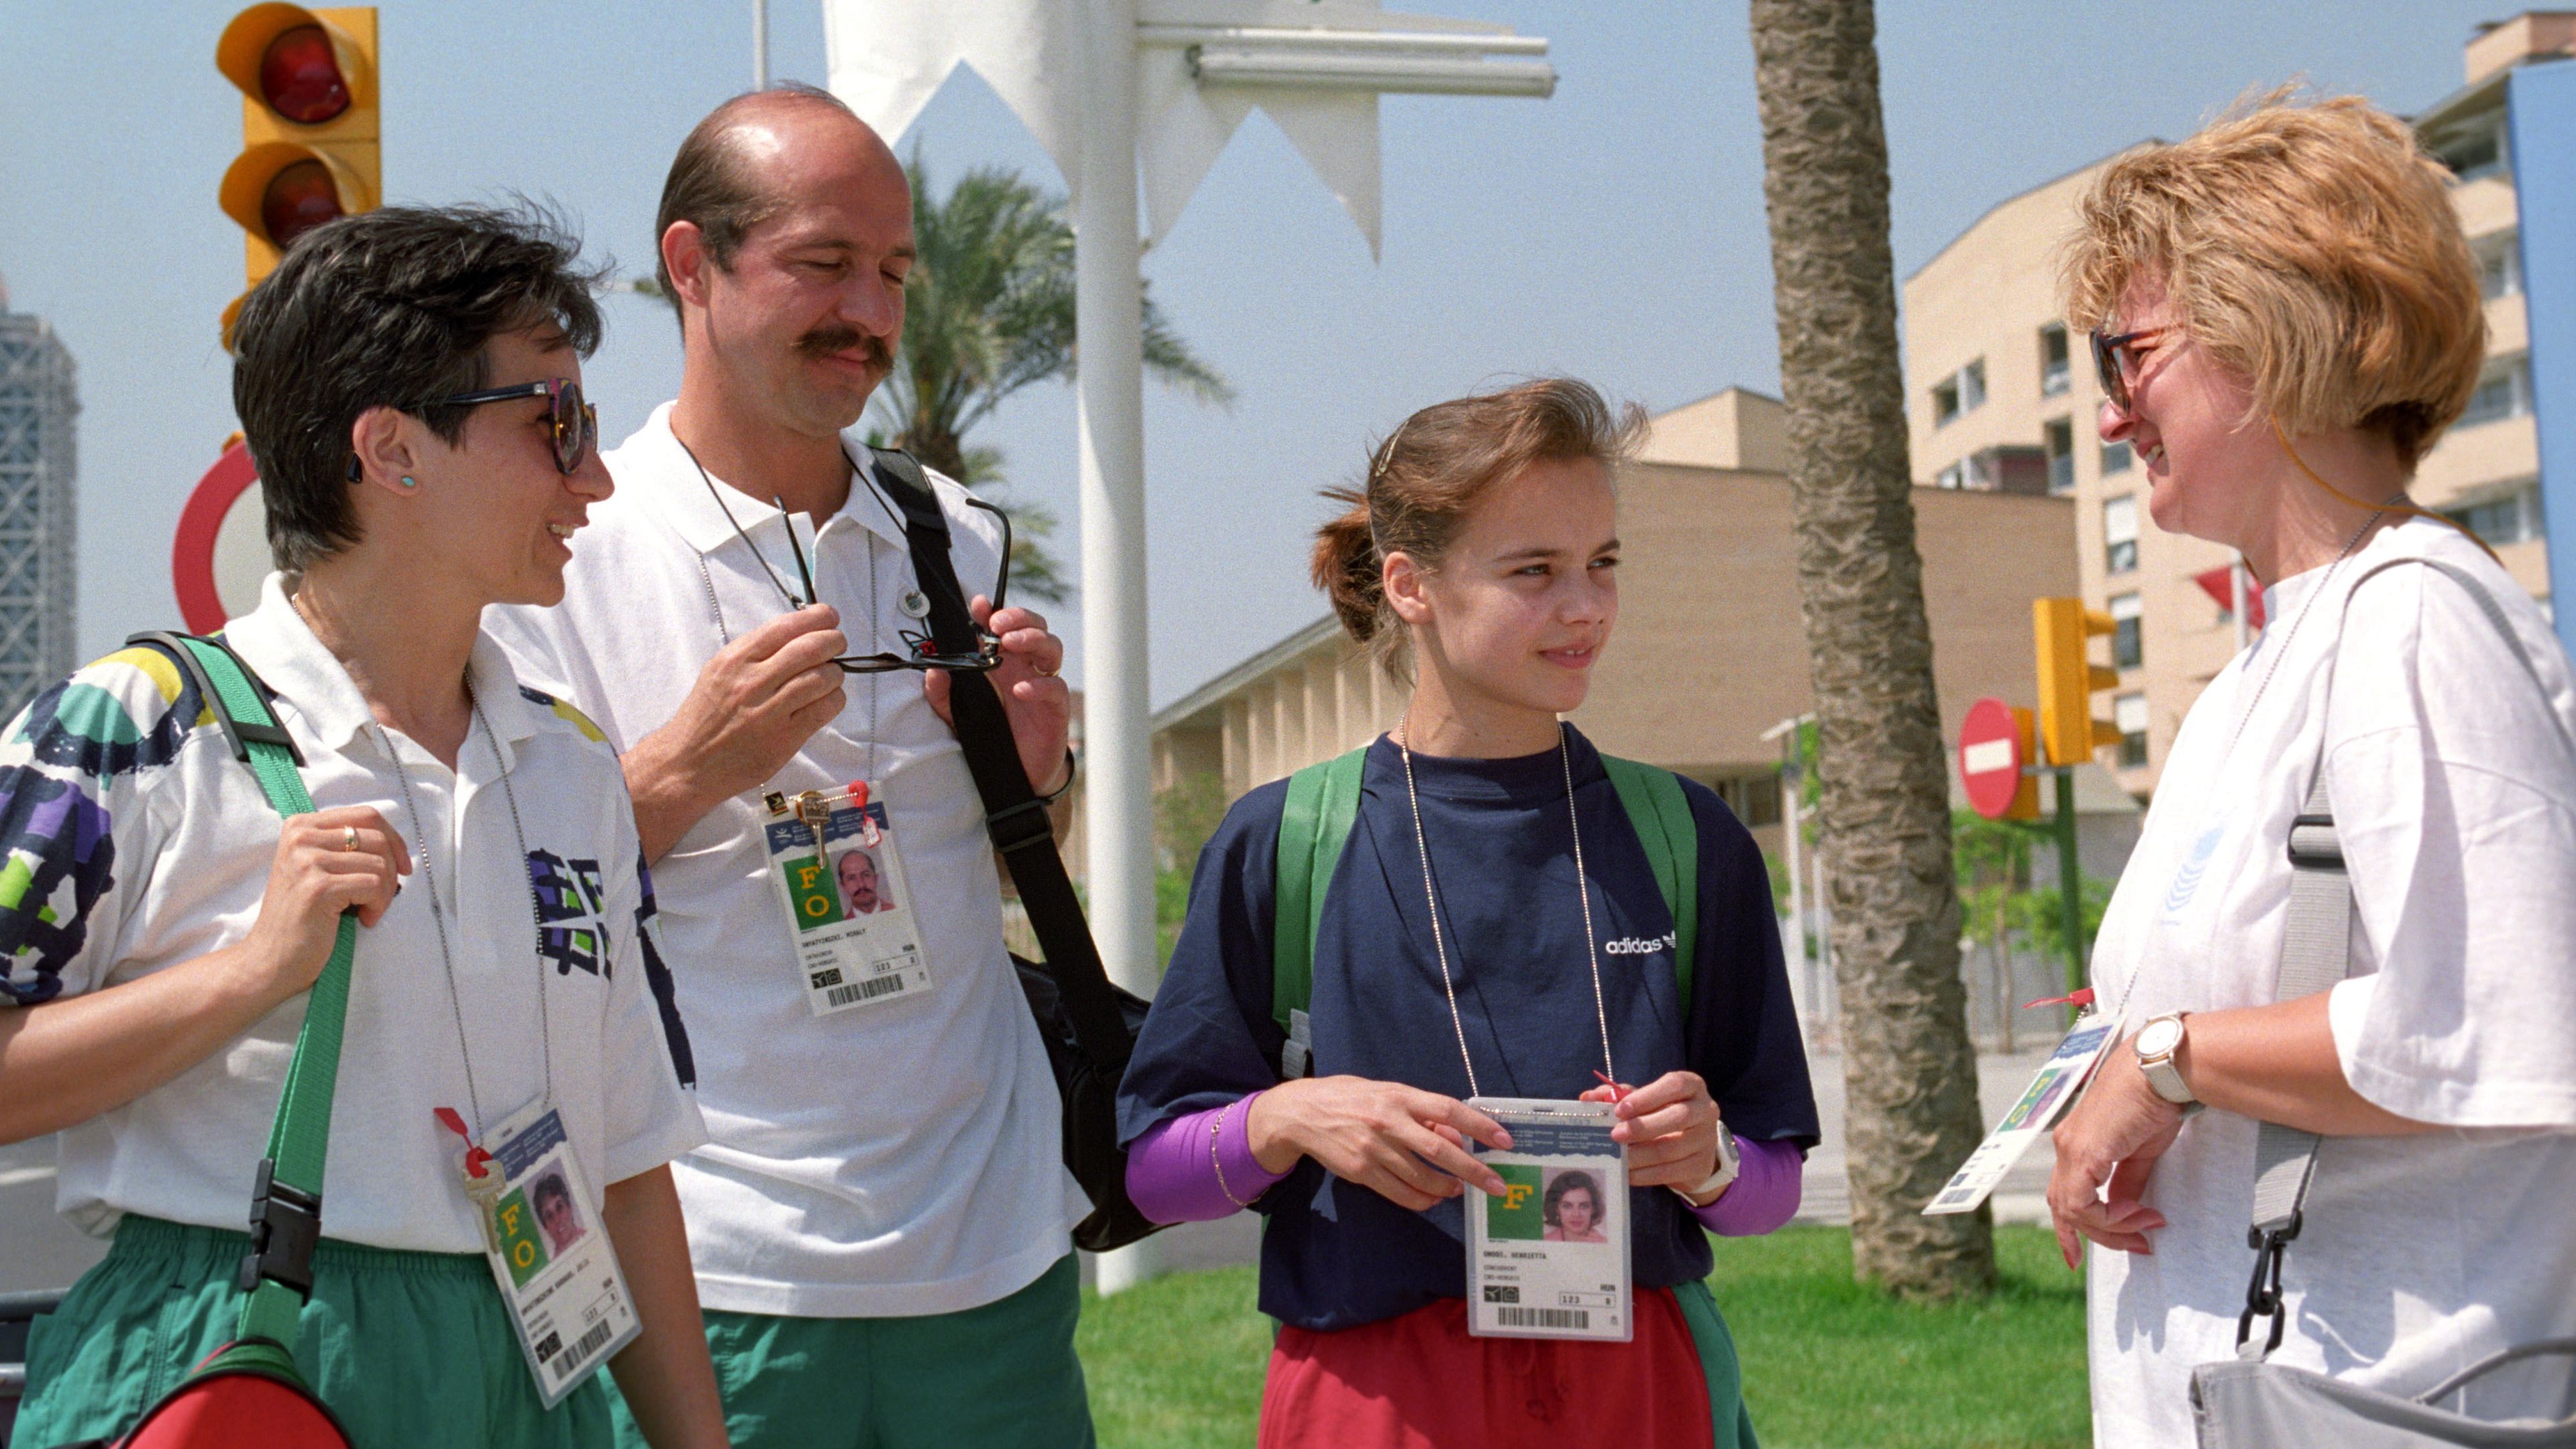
(2059, 1082)
(1549, 1258)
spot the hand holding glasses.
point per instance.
(925, 655)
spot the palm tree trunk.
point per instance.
(1884, 803)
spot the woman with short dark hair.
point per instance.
(409, 381)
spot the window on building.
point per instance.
(2127, 619)
(1755, 799)
(2476, 148)
(2054, 375)
(2512, 517)
(2499, 265)
(2129, 713)
(2504, 391)
(2116, 458)
(2120, 533)
(1954, 476)
(2060, 448)
(1963, 391)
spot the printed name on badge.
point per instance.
(551, 1258)
(1550, 1257)
(2051, 1092)
(848, 908)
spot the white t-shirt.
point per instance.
(2454, 798)
(900, 1159)
(135, 841)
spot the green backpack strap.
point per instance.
(1323, 805)
(286, 1208)
(1661, 815)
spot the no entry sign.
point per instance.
(221, 554)
(1994, 744)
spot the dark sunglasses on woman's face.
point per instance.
(2115, 359)
(575, 422)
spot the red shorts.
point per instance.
(1419, 1381)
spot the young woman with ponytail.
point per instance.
(1479, 561)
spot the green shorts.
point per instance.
(407, 1348)
(1002, 1376)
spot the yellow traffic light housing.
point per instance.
(310, 139)
(2025, 801)
(2064, 630)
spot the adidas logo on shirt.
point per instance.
(1640, 945)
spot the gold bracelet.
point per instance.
(1216, 1128)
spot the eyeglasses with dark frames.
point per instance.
(925, 655)
(2112, 367)
(574, 421)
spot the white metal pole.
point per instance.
(2236, 595)
(1792, 786)
(1117, 743)
(760, 45)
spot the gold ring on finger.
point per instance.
(348, 837)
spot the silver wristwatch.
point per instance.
(2155, 1044)
(1729, 1163)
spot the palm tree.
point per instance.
(1884, 800)
(988, 311)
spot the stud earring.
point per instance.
(410, 482)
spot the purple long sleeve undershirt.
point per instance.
(1198, 1168)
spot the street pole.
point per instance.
(2070, 883)
(2236, 597)
(760, 45)
(1117, 736)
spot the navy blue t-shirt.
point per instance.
(1337, 1255)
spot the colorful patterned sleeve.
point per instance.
(71, 770)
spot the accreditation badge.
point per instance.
(841, 889)
(1549, 1258)
(550, 1255)
(2051, 1092)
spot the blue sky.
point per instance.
(1614, 231)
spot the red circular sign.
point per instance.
(1990, 757)
(192, 556)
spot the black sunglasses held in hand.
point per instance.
(925, 655)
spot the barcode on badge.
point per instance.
(1542, 1317)
(868, 990)
(588, 1344)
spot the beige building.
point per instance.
(1710, 650)
(2001, 399)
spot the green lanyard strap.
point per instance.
(286, 1207)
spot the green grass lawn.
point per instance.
(1828, 1364)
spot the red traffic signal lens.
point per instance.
(299, 198)
(300, 78)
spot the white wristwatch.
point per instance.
(2155, 1044)
(1729, 1163)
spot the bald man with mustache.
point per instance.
(881, 1222)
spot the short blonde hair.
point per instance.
(2312, 249)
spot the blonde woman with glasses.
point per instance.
(2347, 931)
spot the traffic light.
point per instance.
(2064, 630)
(309, 132)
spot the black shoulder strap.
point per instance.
(1013, 814)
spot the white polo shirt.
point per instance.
(135, 841)
(895, 1160)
